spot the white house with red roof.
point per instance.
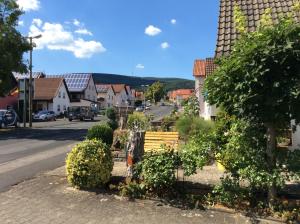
(202, 69)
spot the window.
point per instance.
(58, 108)
(65, 108)
(59, 94)
(64, 95)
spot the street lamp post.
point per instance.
(30, 89)
(144, 88)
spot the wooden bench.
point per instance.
(154, 140)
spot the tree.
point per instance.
(191, 106)
(260, 82)
(12, 44)
(155, 92)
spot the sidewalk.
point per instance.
(49, 199)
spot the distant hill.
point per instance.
(137, 82)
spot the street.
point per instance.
(25, 153)
(159, 111)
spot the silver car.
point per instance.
(45, 116)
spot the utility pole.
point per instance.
(30, 84)
(30, 87)
(24, 104)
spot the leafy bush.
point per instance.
(191, 106)
(89, 164)
(158, 169)
(113, 124)
(101, 132)
(229, 192)
(111, 113)
(132, 190)
(197, 153)
(189, 126)
(137, 121)
(168, 122)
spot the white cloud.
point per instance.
(173, 21)
(28, 5)
(165, 45)
(140, 66)
(37, 22)
(56, 37)
(76, 22)
(152, 30)
(21, 23)
(84, 32)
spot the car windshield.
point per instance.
(74, 109)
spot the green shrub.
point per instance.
(101, 132)
(137, 121)
(158, 169)
(168, 122)
(197, 153)
(113, 124)
(188, 126)
(111, 113)
(89, 164)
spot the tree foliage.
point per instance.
(12, 44)
(191, 106)
(155, 92)
(259, 82)
(138, 121)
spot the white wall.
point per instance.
(62, 99)
(90, 92)
(296, 138)
(110, 98)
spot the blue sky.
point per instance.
(135, 37)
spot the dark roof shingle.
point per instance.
(253, 9)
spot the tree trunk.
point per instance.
(271, 160)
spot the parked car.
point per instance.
(140, 109)
(80, 113)
(45, 116)
(8, 118)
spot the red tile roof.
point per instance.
(203, 68)
(199, 68)
(46, 88)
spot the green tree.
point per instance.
(191, 106)
(260, 82)
(155, 92)
(12, 44)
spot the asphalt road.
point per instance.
(25, 153)
(160, 111)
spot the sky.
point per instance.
(159, 38)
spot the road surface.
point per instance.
(25, 153)
(160, 111)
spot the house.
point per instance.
(202, 69)
(51, 94)
(81, 86)
(179, 95)
(122, 96)
(104, 95)
(253, 10)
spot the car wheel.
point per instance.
(70, 119)
(92, 118)
(1, 125)
(17, 124)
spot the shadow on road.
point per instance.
(44, 134)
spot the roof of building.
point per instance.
(203, 68)
(102, 88)
(117, 88)
(253, 9)
(76, 82)
(35, 75)
(46, 89)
